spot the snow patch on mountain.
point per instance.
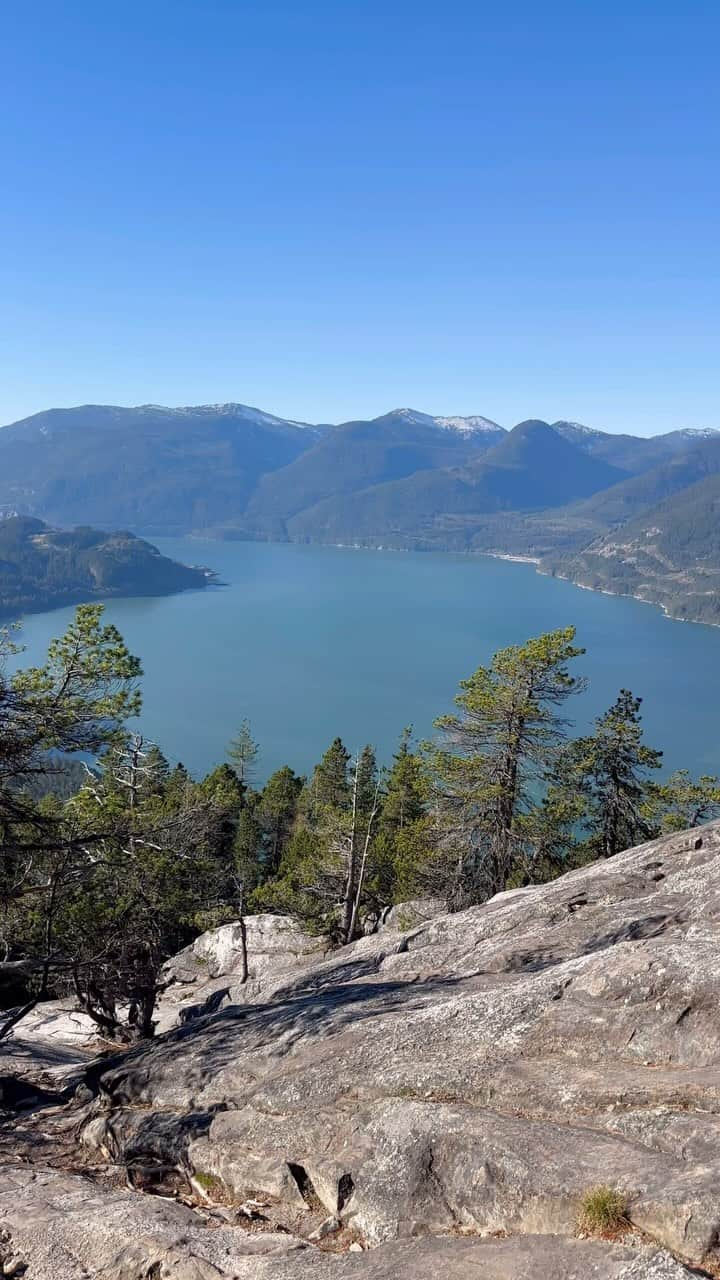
(247, 413)
(698, 433)
(570, 429)
(467, 425)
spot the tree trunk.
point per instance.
(363, 863)
(347, 921)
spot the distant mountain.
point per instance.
(42, 567)
(633, 454)
(472, 425)
(238, 470)
(558, 493)
(531, 468)
(636, 494)
(359, 455)
(149, 468)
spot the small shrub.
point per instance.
(209, 1183)
(603, 1212)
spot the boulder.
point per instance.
(407, 915)
(51, 1043)
(210, 972)
(479, 1072)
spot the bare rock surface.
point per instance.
(408, 915)
(431, 1102)
(59, 1227)
(210, 972)
(57, 1036)
(477, 1073)
(50, 1044)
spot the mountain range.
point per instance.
(579, 500)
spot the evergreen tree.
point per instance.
(403, 848)
(329, 785)
(607, 772)
(491, 753)
(248, 859)
(406, 789)
(276, 814)
(681, 802)
(324, 872)
(367, 780)
(244, 753)
(223, 789)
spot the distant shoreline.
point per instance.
(212, 578)
(512, 557)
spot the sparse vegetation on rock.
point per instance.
(603, 1212)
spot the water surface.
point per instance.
(310, 642)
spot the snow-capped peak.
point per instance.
(230, 410)
(469, 425)
(576, 428)
(465, 425)
(698, 433)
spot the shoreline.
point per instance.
(624, 595)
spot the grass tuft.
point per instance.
(603, 1212)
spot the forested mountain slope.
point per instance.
(670, 555)
(632, 496)
(360, 455)
(633, 454)
(532, 468)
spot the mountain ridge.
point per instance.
(405, 478)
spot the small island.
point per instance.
(43, 568)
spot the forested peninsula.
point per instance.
(41, 567)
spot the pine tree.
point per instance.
(367, 779)
(405, 790)
(324, 870)
(329, 785)
(492, 751)
(244, 753)
(403, 847)
(608, 772)
(681, 802)
(276, 813)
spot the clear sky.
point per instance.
(329, 208)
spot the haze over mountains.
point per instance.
(406, 479)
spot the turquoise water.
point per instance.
(310, 642)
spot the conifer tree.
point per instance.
(329, 785)
(608, 773)
(276, 813)
(681, 802)
(243, 752)
(492, 751)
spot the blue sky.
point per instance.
(332, 208)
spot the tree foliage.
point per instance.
(491, 756)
